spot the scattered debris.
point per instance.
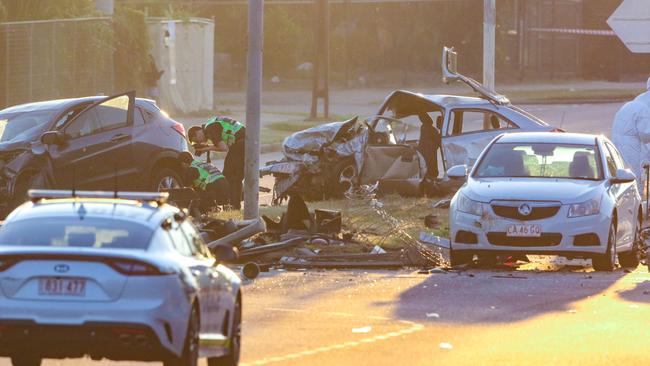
(445, 345)
(433, 315)
(428, 238)
(442, 204)
(366, 329)
(510, 276)
(431, 221)
(377, 250)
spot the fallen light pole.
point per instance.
(253, 101)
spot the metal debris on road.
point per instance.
(442, 204)
(445, 345)
(367, 329)
(433, 315)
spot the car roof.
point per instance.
(454, 100)
(61, 104)
(548, 137)
(144, 213)
(442, 100)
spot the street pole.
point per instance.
(253, 101)
(489, 43)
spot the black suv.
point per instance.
(91, 143)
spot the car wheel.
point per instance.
(25, 360)
(632, 258)
(459, 258)
(344, 177)
(190, 356)
(607, 262)
(165, 179)
(232, 359)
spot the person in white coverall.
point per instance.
(631, 134)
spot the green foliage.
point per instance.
(18, 10)
(131, 43)
(3, 12)
(284, 40)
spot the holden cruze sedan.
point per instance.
(121, 276)
(547, 193)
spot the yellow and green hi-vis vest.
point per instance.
(208, 173)
(229, 128)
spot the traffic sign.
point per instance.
(631, 23)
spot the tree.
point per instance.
(16, 10)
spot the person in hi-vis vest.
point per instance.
(208, 182)
(224, 134)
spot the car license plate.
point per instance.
(524, 230)
(57, 286)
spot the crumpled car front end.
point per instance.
(311, 157)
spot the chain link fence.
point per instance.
(41, 60)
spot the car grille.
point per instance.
(537, 212)
(545, 240)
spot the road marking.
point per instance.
(412, 328)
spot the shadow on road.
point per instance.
(640, 293)
(495, 296)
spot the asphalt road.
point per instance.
(542, 313)
(546, 312)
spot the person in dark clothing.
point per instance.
(225, 134)
(428, 145)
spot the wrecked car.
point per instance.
(90, 143)
(330, 159)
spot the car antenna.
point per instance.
(74, 180)
(115, 179)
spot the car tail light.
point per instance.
(178, 127)
(5, 264)
(557, 130)
(130, 268)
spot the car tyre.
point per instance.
(232, 358)
(25, 360)
(344, 177)
(459, 258)
(165, 179)
(632, 258)
(190, 356)
(607, 262)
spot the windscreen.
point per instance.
(540, 160)
(23, 126)
(73, 232)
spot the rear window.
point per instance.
(67, 232)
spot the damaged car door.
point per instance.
(92, 148)
(468, 131)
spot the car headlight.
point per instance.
(587, 208)
(469, 206)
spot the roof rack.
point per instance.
(40, 194)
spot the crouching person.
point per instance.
(209, 183)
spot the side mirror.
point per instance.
(225, 253)
(623, 176)
(458, 171)
(52, 137)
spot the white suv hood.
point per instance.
(565, 191)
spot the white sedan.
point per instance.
(118, 276)
(549, 194)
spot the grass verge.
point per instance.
(360, 219)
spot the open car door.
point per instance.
(94, 149)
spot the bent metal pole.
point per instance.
(253, 100)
